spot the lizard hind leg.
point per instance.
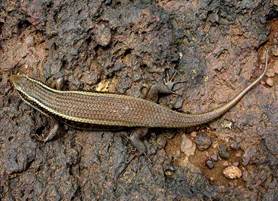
(167, 87)
(136, 139)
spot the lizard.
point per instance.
(107, 109)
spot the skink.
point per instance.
(112, 109)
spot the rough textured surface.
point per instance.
(122, 46)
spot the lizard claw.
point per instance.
(170, 82)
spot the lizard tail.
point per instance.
(209, 116)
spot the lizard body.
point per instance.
(112, 109)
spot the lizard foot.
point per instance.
(167, 87)
(170, 82)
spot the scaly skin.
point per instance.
(112, 109)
